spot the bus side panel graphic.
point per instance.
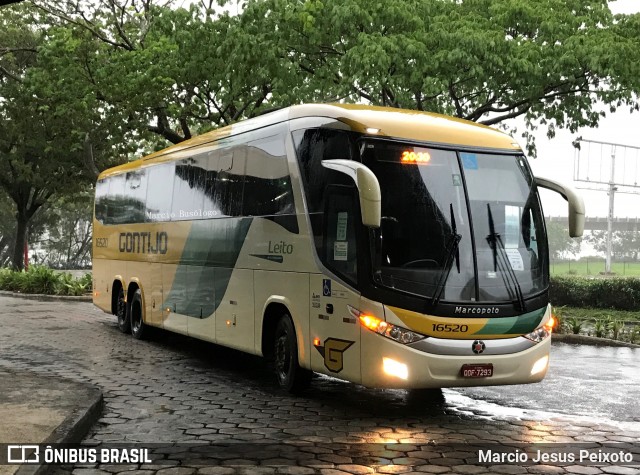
(208, 259)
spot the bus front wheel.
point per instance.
(136, 315)
(121, 312)
(291, 376)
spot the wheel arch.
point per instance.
(274, 308)
(117, 284)
(131, 290)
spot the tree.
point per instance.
(549, 61)
(40, 151)
(62, 237)
(7, 228)
(624, 244)
(172, 71)
(153, 71)
(560, 244)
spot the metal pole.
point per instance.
(612, 189)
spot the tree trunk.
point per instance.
(22, 223)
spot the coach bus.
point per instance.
(385, 247)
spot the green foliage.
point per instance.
(594, 266)
(39, 280)
(560, 244)
(43, 280)
(560, 324)
(41, 147)
(588, 314)
(615, 327)
(87, 281)
(186, 70)
(633, 335)
(624, 244)
(64, 232)
(575, 325)
(67, 285)
(10, 280)
(601, 327)
(618, 293)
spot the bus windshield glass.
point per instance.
(457, 226)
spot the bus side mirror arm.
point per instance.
(574, 200)
(368, 188)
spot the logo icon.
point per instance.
(333, 351)
(23, 454)
(478, 347)
(326, 287)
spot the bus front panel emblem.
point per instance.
(478, 347)
(333, 353)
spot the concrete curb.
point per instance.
(590, 340)
(44, 297)
(72, 430)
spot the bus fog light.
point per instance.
(395, 368)
(540, 365)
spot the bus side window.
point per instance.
(267, 189)
(188, 190)
(160, 178)
(211, 209)
(313, 146)
(340, 232)
(230, 182)
(102, 199)
(116, 209)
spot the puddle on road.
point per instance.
(481, 408)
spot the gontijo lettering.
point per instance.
(144, 243)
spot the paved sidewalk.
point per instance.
(36, 409)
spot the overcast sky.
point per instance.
(556, 157)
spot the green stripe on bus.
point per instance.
(521, 324)
(208, 259)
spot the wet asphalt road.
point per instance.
(598, 382)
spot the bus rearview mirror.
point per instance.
(574, 200)
(368, 188)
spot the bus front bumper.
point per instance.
(388, 364)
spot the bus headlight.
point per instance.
(393, 332)
(543, 332)
(538, 334)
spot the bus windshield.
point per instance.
(457, 226)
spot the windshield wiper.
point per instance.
(501, 262)
(452, 251)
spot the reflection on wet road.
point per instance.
(599, 382)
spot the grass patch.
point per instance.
(594, 267)
(596, 313)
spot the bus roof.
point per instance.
(389, 122)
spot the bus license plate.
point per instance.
(476, 370)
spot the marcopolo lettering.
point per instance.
(280, 248)
(478, 310)
(144, 243)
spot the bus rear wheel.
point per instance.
(121, 312)
(291, 376)
(136, 315)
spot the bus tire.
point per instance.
(136, 315)
(291, 377)
(121, 312)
